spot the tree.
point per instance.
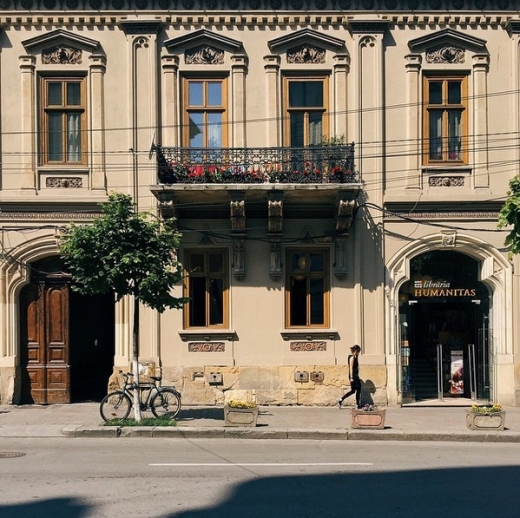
(510, 216)
(126, 253)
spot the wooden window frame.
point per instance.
(187, 109)
(225, 275)
(287, 110)
(306, 272)
(64, 109)
(445, 108)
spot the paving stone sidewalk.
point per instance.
(274, 422)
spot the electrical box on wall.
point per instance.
(301, 376)
(215, 378)
(317, 376)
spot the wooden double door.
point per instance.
(67, 343)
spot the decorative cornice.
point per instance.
(141, 26)
(368, 26)
(279, 6)
(48, 216)
(441, 215)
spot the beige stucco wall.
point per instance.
(379, 104)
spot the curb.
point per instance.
(277, 433)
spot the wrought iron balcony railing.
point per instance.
(315, 164)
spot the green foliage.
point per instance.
(337, 140)
(510, 216)
(487, 409)
(146, 421)
(125, 252)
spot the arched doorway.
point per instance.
(444, 334)
(66, 339)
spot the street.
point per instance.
(156, 478)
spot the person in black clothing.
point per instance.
(353, 375)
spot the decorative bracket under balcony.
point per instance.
(345, 204)
(237, 206)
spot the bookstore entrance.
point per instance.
(445, 336)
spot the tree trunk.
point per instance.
(135, 360)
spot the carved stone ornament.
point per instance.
(204, 55)
(306, 54)
(238, 215)
(75, 183)
(308, 346)
(445, 55)
(449, 238)
(206, 347)
(62, 56)
(446, 181)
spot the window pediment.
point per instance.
(306, 38)
(60, 46)
(203, 41)
(447, 45)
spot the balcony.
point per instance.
(274, 165)
(210, 183)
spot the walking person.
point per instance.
(353, 376)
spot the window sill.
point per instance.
(310, 334)
(208, 335)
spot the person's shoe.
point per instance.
(339, 403)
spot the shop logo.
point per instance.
(440, 289)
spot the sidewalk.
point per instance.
(292, 422)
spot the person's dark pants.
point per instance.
(355, 388)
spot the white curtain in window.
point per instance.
(73, 137)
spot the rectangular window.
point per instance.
(205, 112)
(63, 120)
(445, 120)
(206, 287)
(307, 289)
(306, 110)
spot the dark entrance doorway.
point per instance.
(66, 339)
(444, 352)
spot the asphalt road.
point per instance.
(64, 478)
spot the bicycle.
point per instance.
(162, 401)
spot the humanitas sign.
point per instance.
(440, 289)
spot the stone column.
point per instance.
(273, 122)
(170, 125)
(479, 141)
(413, 118)
(341, 69)
(28, 124)
(97, 122)
(238, 94)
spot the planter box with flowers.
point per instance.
(369, 417)
(240, 413)
(486, 417)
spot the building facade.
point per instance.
(336, 170)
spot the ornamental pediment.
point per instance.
(203, 45)
(305, 44)
(60, 46)
(447, 46)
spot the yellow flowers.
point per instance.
(234, 403)
(486, 409)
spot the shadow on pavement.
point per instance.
(464, 493)
(54, 507)
(201, 413)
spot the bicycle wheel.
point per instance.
(115, 405)
(166, 403)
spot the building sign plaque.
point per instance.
(440, 289)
